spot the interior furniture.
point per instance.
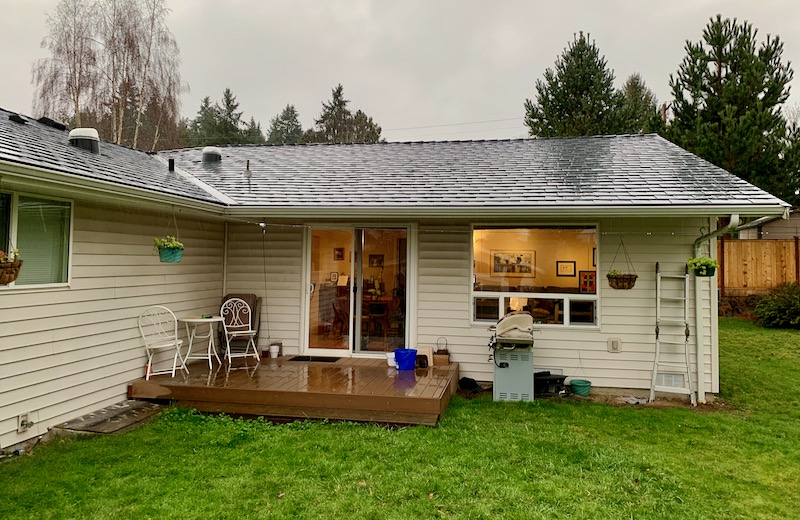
(237, 324)
(159, 330)
(193, 332)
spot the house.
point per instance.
(772, 227)
(354, 250)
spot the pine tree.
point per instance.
(336, 124)
(728, 93)
(578, 97)
(285, 127)
(640, 110)
(223, 124)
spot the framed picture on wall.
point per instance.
(588, 282)
(376, 260)
(513, 263)
(565, 268)
(334, 276)
(338, 254)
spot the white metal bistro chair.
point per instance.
(237, 322)
(159, 329)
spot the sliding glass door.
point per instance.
(357, 300)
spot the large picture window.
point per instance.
(547, 271)
(40, 229)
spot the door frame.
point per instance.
(411, 287)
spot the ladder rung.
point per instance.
(672, 299)
(674, 276)
(669, 321)
(672, 364)
(673, 390)
(671, 343)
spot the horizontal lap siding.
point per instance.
(444, 305)
(270, 265)
(68, 351)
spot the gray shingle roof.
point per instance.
(614, 172)
(609, 171)
(41, 146)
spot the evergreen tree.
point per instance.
(222, 124)
(640, 110)
(336, 124)
(728, 93)
(285, 127)
(578, 97)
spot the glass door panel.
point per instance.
(381, 303)
(329, 323)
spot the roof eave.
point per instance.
(462, 212)
(23, 175)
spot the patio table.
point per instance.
(194, 331)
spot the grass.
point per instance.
(547, 459)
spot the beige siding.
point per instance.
(269, 264)
(444, 305)
(68, 351)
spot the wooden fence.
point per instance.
(756, 266)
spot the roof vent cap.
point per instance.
(212, 154)
(86, 138)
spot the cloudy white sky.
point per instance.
(423, 69)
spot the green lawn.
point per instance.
(548, 459)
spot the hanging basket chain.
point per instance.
(174, 223)
(622, 281)
(628, 262)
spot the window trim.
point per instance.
(12, 236)
(567, 297)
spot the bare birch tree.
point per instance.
(66, 79)
(116, 61)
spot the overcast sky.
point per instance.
(413, 65)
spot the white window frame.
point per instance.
(13, 228)
(567, 298)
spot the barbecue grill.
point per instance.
(512, 351)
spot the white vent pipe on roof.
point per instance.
(212, 154)
(85, 138)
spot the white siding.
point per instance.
(444, 305)
(270, 265)
(68, 351)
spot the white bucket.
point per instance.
(390, 359)
(274, 350)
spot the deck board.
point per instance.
(358, 389)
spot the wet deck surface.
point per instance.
(348, 389)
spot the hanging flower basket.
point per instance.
(170, 251)
(170, 255)
(703, 266)
(618, 280)
(621, 281)
(9, 271)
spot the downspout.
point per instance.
(698, 307)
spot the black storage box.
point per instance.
(545, 384)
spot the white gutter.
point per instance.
(310, 211)
(698, 307)
(22, 175)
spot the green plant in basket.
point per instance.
(702, 265)
(169, 249)
(10, 256)
(166, 242)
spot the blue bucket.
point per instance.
(406, 358)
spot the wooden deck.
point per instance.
(347, 389)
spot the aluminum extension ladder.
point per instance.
(672, 294)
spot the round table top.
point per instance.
(200, 319)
